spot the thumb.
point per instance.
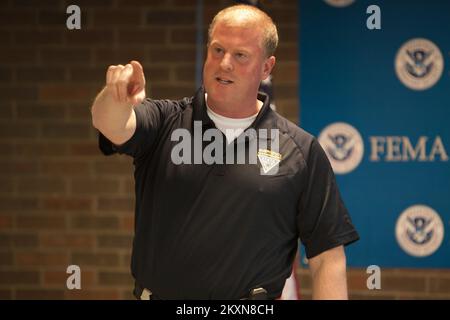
(137, 69)
(138, 78)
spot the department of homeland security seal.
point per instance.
(343, 145)
(339, 3)
(419, 231)
(419, 64)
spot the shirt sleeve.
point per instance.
(323, 220)
(150, 115)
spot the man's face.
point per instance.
(235, 64)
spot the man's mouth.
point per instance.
(223, 81)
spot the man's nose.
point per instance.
(226, 63)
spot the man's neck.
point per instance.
(234, 111)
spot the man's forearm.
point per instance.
(108, 114)
(330, 282)
(115, 120)
(329, 274)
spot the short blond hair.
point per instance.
(245, 15)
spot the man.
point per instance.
(224, 230)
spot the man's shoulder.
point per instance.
(169, 106)
(300, 136)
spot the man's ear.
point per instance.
(269, 63)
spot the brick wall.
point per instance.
(61, 201)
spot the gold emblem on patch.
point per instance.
(269, 159)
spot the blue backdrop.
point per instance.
(392, 87)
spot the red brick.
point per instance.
(90, 37)
(143, 36)
(95, 259)
(37, 37)
(184, 35)
(5, 73)
(403, 283)
(30, 258)
(67, 168)
(184, 55)
(287, 91)
(58, 240)
(116, 204)
(172, 91)
(67, 203)
(143, 3)
(127, 294)
(109, 56)
(6, 37)
(288, 33)
(357, 280)
(39, 111)
(52, 18)
(185, 73)
(22, 93)
(285, 73)
(92, 294)
(94, 222)
(63, 92)
(66, 131)
(42, 3)
(22, 17)
(5, 294)
(101, 4)
(111, 167)
(42, 222)
(126, 258)
(6, 222)
(88, 74)
(39, 149)
(84, 149)
(18, 203)
(79, 111)
(60, 56)
(59, 278)
(6, 185)
(6, 258)
(104, 18)
(18, 240)
(171, 17)
(41, 185)
(155, 74)
(36, 294)
(23, 56)
(282, 16)
(127, 223)
(115, 279)
(94, 186)
(18, 130)
(189, 3)
(33, 74)
(440, 284)
(115, 241)
(287, 53)
(18, 277)
(128, 186)
(6, 112)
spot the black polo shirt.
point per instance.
(215, 231)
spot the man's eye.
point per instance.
(218, 50)
(241, 55)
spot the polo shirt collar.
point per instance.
(200, 111)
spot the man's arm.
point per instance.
(329, 276)
(112, 111)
